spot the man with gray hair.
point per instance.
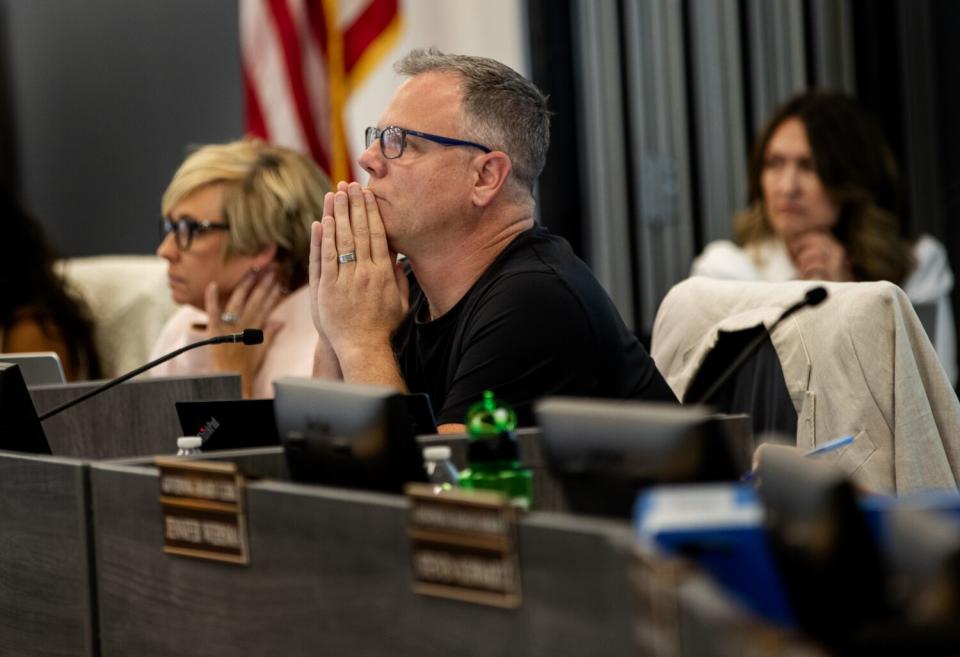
(491, 300)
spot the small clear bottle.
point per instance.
(440, 469)
(493, 456)
(189, 445)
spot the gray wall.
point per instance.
(104, 98)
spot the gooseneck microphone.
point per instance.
(814, 297)
(247, 337)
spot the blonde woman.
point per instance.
(236, 226)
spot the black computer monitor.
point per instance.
(349, 435)
(604, 451)
(229, 423)
(828, 558)
(20, 429)
(922, 557)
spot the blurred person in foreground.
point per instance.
(492, 301)
(37, 313)
(236, 225)
(825, 204)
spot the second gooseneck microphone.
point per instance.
(247, 337)
(814, 297)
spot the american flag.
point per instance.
(301, 61)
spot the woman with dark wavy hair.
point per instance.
(825, 202)
(36, 312)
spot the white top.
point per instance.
(289, 354)
(930, 283)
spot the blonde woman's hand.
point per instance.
(249, 306)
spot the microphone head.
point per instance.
(255, 336)
(816, 296)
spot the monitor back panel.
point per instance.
(38, 368)
(136, 418)
(229, 424)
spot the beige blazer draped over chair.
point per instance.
(859, 363)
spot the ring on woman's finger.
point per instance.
(228, 317)
(349, 256)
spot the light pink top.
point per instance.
(290, 353)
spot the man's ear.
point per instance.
(493, 171)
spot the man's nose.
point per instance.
(372, 161)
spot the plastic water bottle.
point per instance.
(189, 445)
(493, 455)
(440, 469)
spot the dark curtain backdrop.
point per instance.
(907, 64)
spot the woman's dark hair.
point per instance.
(29, 287)
(858, 170)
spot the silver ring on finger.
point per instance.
(349, 256)
(228, 317)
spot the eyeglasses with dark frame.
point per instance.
(393, 140)
(185, 228)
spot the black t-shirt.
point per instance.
(536, 323)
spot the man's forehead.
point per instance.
(434, 96)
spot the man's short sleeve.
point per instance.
(527, 337)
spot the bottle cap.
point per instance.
(489, 418)
(189, 442)
(436, 453)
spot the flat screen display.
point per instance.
(604, 451)
(349, 435)
(20, 429)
